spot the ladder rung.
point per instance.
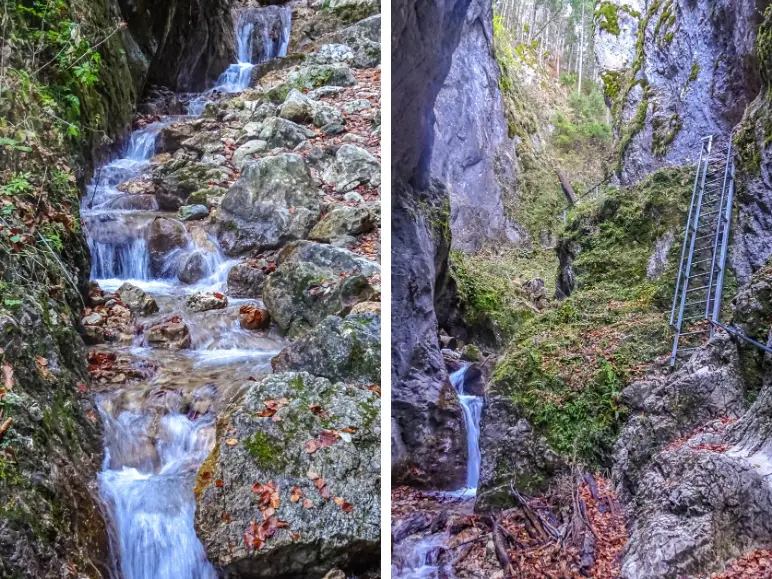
(688, 304)
(697, 289)
(680, 334)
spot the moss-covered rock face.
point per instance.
(318, 445)
(567, 365)
(675, 71)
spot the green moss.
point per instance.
(694, 74)
(607, 16)
(268, 452)
(567, 365)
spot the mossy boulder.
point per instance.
(316, 75)
(345, 349)
(353, 166)
(334, 518)
(176, 180)
(275, 201)
(313, 281)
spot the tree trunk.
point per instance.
(568, 190)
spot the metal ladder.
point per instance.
(697, 299)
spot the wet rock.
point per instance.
(137, 300)
(313, 281)
(274, 201)
(353, 166)
(471, 353)
(171, 334)
(296, 107)
(658, 260)
(206, 197)
(245, 153)
(346, 350)
(193, 212)
(266, 450)
(205, 301)
(171, 137)
(254, 318)
(314, 76)
(201, 240)
(193, 268)
(340, 222)
(177, 180)
(245, 281)
(164, 236)
(159, 100)
(512, 453)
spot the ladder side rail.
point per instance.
(719, 234)
(724, 247)
(688, 269)
(686, 234)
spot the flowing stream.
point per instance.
(417, 557)
(159, 431)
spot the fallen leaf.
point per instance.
(268, 513)
(320, 482)
(375, 388)
(338, 501)
(347, 507)
(218, 483)
(312, 475)
(296, 494)
(308, 504)
(231, 441)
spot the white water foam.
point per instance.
(472, 406)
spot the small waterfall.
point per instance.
(417, 558)
(128, 260)
(472, 406)
(147, 483)
(272, 26)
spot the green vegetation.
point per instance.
(567, 365)
(607, 16)
(586, 126)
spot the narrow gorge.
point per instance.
(190, 289)
(542, 180)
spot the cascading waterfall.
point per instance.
(472, 406)
(237, 77)
(158, 432)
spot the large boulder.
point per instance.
(364, 38)
(316, 75)
(292, 487)
(339, 349)
(296, 107)
(313, 281)
(171, 334)
(278, 132)
(511, 454)
(177, 180)
(193, 267)
(342, 222)
(164, 236)
(273, 202)
(353, 166)
(137, 300)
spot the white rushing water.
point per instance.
(237, 77)
(159, 431)
(472, 406)
(417, 558)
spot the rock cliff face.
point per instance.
(428, 439)
(472, 152)
(676, 71)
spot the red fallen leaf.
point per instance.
(347, 507)
(308, 504)
(281, 524)
(312, 446)
(375, 388)
(295, 536)
(329, 437)
(297, 494)
(349, 430)
(218, 483)
(82, 388)
(338, 501)
(320, 483)
(324, 491)
(218, 295)
(318, 410)
(226, 518)
(270, 268)
(254, 536)
(268, 513)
